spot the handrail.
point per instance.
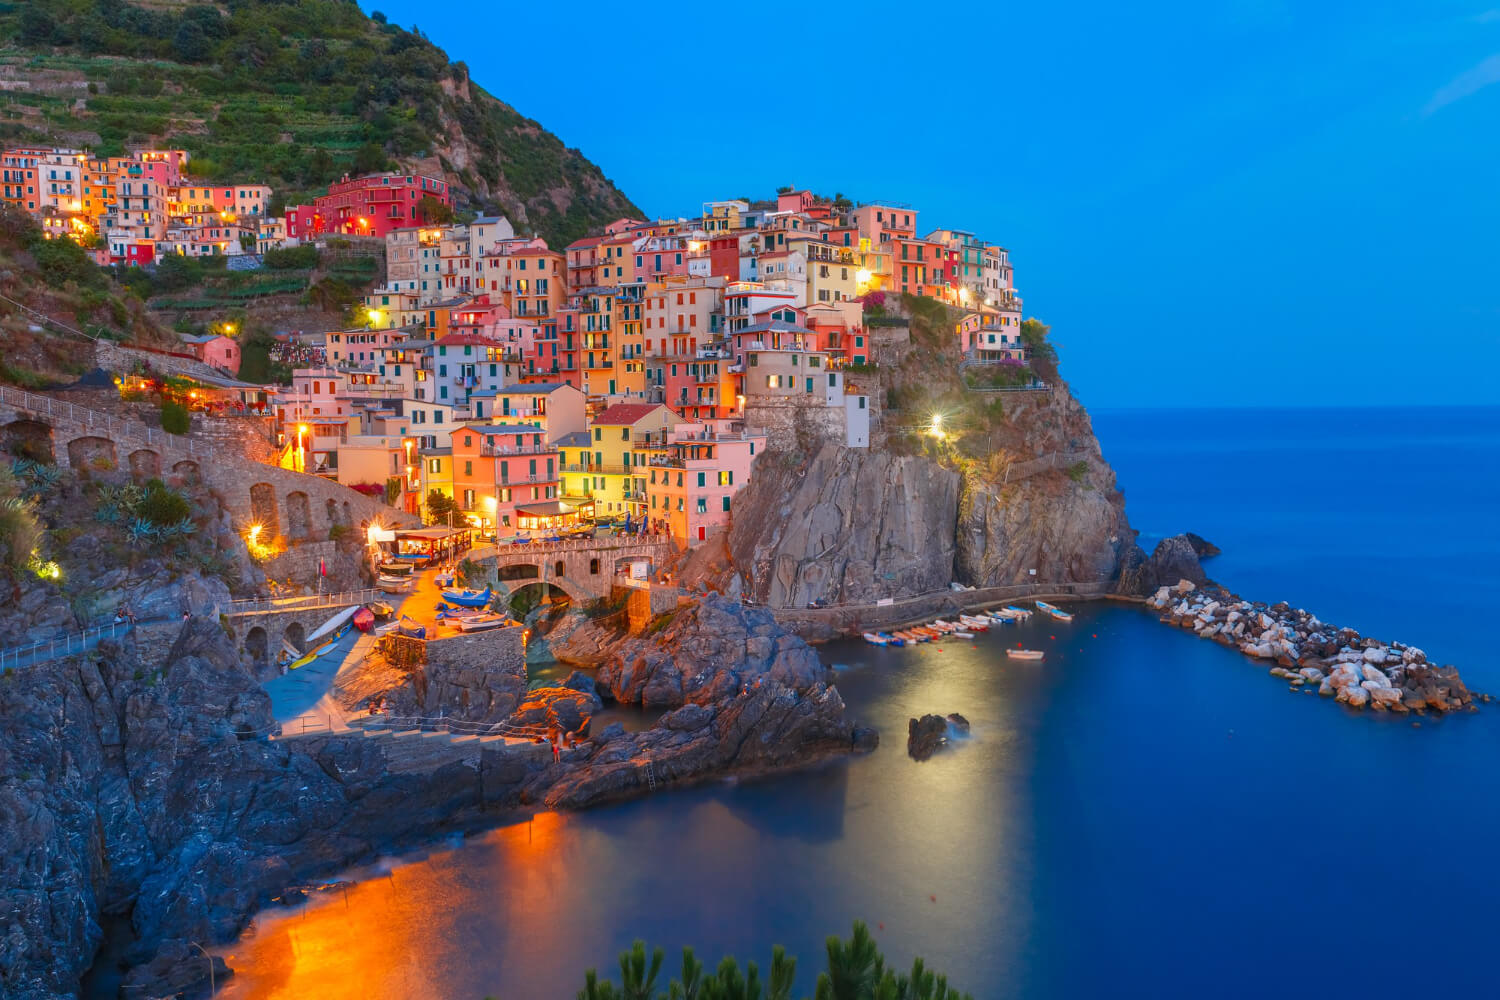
(118, 429)
(256, 604)
(71, 642)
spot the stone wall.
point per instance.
(479, 676)
(796, 422)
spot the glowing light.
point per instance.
(862, 276)
(935, 429)
(375, 316)
(254, 532)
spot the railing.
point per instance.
(65, 645)
(609, 542)
(1017, 471)
(255, 605)
(603, 470)
(509, 451)
(41, 317)
(115, 428)
(454, 727)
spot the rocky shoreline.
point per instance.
(135, 786)
(1355, 670)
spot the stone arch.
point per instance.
(144, 464)
(295, 634)
(187, 470)
(574, 594)
(263, 509)
(298, 515)
(27, 438)
(92, 453)
(331, 509)
(258, 645)
(518, 571)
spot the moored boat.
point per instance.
(1025, 654)
(963, 635)
(875, 640)
(468, 598)
(392, 584)
(891, 639)
(1054, 611)
(478, 623)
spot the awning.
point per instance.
(552, 508)
(429, 534)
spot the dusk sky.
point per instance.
(1263, 204)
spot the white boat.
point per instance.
(478, 623)
(392, 584)
(1054, 611)
(874, 639)
(943, 626)
(1025, 654)
(1009, 614)
(975, 623)
(331, 626)
(963, 635)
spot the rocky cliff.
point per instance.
(144, 787)
(850, 525)
(1052, 506)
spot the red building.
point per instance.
(371, 205)
(724, 256)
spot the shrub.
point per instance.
(162, 506)
(175, 418)
(1077, 471)
(338, 532)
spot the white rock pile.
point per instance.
(1359, 672)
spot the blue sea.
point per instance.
(1143, 815)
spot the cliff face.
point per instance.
(1064, 519)
(850, 526)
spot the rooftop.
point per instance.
(621, 414)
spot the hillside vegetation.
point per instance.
(293, 93)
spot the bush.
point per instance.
(162, 506)
(175, 418)
(1077, 471)
(291, 258)
(338, 532)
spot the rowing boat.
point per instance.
(1054, 611)
(1025, 654)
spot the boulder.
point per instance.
(1354, 696)
(925, 735)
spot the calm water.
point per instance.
(1145, 814)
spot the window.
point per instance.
(468, 467)
(726, 503)
(701, 476)
(624, 433)
(703, 505)
(593, 567)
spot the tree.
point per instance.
(434, 211)
(370, 159)
(175, 418)
(439, 506)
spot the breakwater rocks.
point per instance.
(925, 735)
(1357, 671)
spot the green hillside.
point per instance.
(290, 92)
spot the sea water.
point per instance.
(1142, 814)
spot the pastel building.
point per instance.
(499, 469)
(691, 480)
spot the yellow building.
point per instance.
(609, 463)
(616, 257)
(723, 216)
(437, 474)
(596, 357)
(630, 350)
(832, 271)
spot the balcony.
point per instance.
(508, 451)
(604, 470)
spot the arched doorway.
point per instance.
(30, 439)
(518, 571)
(256, 645)
(144, 464)
(296, 636)
(94, 454)
(263, 509)
(298, 515)
(188, 471)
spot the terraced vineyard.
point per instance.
(293, 95)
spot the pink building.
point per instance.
(372, 205)
(215, 349)
(693, 479)
(658, 257)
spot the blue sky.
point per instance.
(1261, 203)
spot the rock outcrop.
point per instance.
(1065, 520)
(1173, 559)
(708, 651)
(1357, 671)
(851, 525)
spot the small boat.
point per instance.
(1019, 614)
(364, 619)
(411, 629)
(322, 648)
(975, 623)
(963, 635)
(478, 623)
(468, 598)
(391, 568)
(891, 640)
(392, 584)
(1025, 654)
(1054, 611)
(875, 640)
(943, 626)
(380, 609)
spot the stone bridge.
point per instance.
(260, 634)
(294, 505)
(584, 568)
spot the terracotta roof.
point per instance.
(463, 339)
(626, 413)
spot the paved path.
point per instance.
(302, 700)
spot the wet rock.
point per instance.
(958, 722)
(925, 735)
